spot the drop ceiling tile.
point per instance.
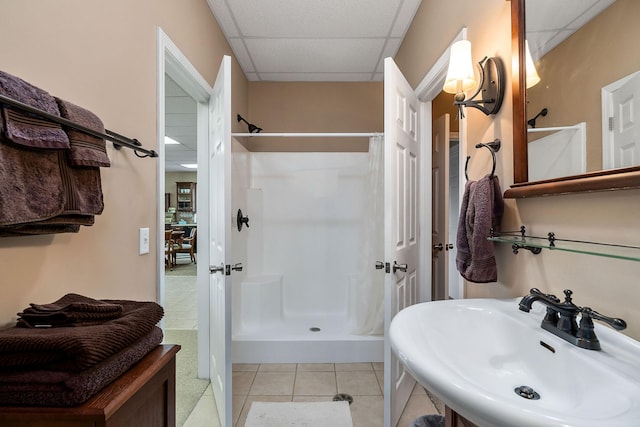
(389, 50)
(313, 18)
(224, 17)
(594, 11)
(314, 55)
(243, 57)
(551, 14)
(405, 15)
(315, 77)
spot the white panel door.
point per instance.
(626, 124)
(401, 156)
(440, 219)
(220, 242)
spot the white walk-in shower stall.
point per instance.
(310, 291)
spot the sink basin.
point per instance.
(474, 353)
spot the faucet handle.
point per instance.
(567, 296)
(615, 323)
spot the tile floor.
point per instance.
(290, 382)
(312, 382)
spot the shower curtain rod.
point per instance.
(117, 139)
(316, 135)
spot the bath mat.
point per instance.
(299, 414)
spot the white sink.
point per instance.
(473, 353)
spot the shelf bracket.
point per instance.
(515, 247)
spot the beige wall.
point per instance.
(605, 284)
(573, 74)
(102, 56)
(315, 107)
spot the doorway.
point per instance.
(183, 97)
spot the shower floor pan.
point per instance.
(318, 339)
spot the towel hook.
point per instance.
(492, 146)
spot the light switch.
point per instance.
(144, 241)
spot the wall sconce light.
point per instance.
(460, 78)
(530, 68)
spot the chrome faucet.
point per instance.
(561, 318)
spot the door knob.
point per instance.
(401, 267)
(214, 269)
(438, 247)
(379, 265)
(237, 267)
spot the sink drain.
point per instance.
(343, 397)
(314, 329)
(527, 392)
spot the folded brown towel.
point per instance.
(70, 310)
(86, 150)
(76, 348)
(62, 388)
(27, 129)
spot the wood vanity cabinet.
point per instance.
(186, 196)
(453, 419)
(144, 396)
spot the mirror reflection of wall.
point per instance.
(574, 72)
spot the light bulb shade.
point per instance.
(532, 76)
(460, 77)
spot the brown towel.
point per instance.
(24, 128)
(61, 388)
(77, 348)
(481, 210)
(30, 185)
(86, 150)
(70, 310)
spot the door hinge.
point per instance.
(610, 123)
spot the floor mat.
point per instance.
(299, 414)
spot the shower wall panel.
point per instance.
(309, 226)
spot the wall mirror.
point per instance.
(594, 44)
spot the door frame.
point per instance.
(171, 61)
(427, 90)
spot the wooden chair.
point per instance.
(186, 245)
(170, 246)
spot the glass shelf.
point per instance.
(536, 244)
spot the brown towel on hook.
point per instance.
(27, 129)
(30, 185)
(481, 210)
(86, 150)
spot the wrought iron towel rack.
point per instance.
(493, 147)
(118, 140)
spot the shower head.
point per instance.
(252, 128)
(532, 122)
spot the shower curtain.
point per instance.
(368, 292)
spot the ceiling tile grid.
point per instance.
(311, 40)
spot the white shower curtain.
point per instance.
(368, 284)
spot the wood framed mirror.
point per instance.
(601, 180)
